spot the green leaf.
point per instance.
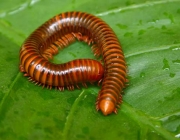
(150, 37)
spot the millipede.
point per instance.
(62, 30)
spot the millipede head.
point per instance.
(106, 106)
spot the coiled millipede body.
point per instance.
(59, 32)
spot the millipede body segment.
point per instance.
(59, 32)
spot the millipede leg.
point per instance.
(26, 75)
(100, 81)
(21, 68)
(96, 50)
(84, 84)
(78, 86)
(115, 111)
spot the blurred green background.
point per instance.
(150, 37)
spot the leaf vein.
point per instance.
(135, 6)
(165, 47)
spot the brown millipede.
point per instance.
(59, 32)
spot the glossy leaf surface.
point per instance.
(150, 37)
